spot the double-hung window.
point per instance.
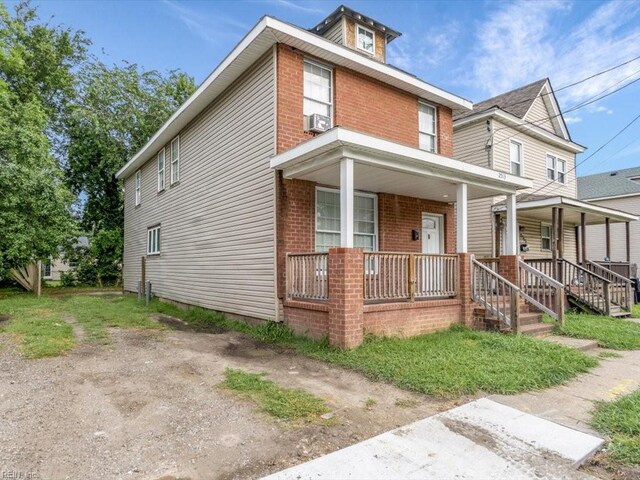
(138, 187)
(551, 167)
(365, 222)
(175, 160)
(153, 240)
(427, 127)
(365, 40)
(515, 155)
(562, 170)
(161, 170)
(317, 90)
(545, 237)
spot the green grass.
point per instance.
(609, 355)
(42, 326)
(280, 402)
(609, 332)
(635, 312)
(620, 421)
(38, 324)
(454, 362)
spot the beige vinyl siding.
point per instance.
(540, 116)
(534, 161)
(596, 238)
(480, 229)
(217, 224)
(335, 33)
(469, 142)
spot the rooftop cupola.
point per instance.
(357, 31)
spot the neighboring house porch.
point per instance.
(372, 236)
(553, 240)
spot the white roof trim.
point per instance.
(513, 121)
(611, 197)
(411, 157)
(587, 207)
(267, 32)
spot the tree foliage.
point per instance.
(36, 80)
(118, 109)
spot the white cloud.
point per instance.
(572, 119)
(431, 48)
(296, 5)
(211, 28)
(524, 41)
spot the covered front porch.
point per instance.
(552, 239)
(373, 236)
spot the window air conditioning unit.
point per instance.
(318, 123)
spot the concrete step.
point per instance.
(537, 329)
(577, 343)
(530, 318)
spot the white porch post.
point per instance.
(346, 202)
(461, 217)
(511, 242)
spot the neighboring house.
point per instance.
(522, 132)
(301, 146)
(55, 267)
(619, 189)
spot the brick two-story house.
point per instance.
(523, 132)
(277, 190)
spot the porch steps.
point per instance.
(537, 329)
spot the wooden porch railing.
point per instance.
(498, 295)
(586, 286)
(542, 291)
(543, 265)
(620, 287)
(491, 262)
(307, 276)
(407, 276)
(621, 268)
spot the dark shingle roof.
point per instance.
(516, 102)
(609, 184)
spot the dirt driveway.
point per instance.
(146, 407)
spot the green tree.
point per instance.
(36, 82)
(117, 110)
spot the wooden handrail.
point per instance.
(620, 288)
(497, 294)
(307, 276)
(588, 287)
(542, 291)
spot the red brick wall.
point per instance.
(398, 215)
(346, 270)
(410, 319)
(306, 318)
(361, 103)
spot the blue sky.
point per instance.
(475, 49)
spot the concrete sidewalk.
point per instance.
(571, 404)
(480, 440)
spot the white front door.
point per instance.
(432, 241)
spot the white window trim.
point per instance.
(138, 185)
(150, 232)
(546, 167)
(564, 162)
(521, 157)
(162, 172)
(361, 27)
(555, 167)
(174, 162)
(330, 69)
(355, 193)
(435, 125)
(542, 224)
(44, 264)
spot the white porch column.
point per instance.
(511, 242)
(461, 218)
(346, 202)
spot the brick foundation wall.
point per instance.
(410, 319)
(307, 318)
(399, 215)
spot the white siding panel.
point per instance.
(217, 224)
(480, 230)
(469, 144)
(539, 115)
(335, 33)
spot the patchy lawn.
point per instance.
(271, 398)
(454, 362)
(636, 311)
(620, 421)
(44, 325)
(609, 332)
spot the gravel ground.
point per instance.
(146, 407)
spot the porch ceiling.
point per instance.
(541, 209)
(385, 166)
